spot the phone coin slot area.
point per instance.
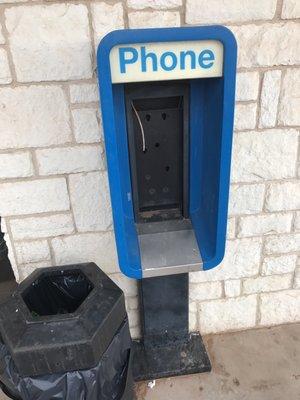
(158, 135)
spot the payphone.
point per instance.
(167, 98)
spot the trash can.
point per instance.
(65, 335)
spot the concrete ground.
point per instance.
(259, 364)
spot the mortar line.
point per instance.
(6, 36)
(257, 22)
(280, 98)
(126, 11)
(259, 98)
(34, 162)
(52, 255)
(278, 12)
(66, 92)
(37, 215)
(92, 80)
(258, 310)
(93, 38)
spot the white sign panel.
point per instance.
(166, 60)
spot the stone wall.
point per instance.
(54, 196)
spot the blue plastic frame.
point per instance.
(212, 240)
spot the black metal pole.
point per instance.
(167, 348)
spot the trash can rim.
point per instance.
(38, 274)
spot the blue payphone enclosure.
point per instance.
(210, 129)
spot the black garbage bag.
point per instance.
(58, 293)
(111, 379)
